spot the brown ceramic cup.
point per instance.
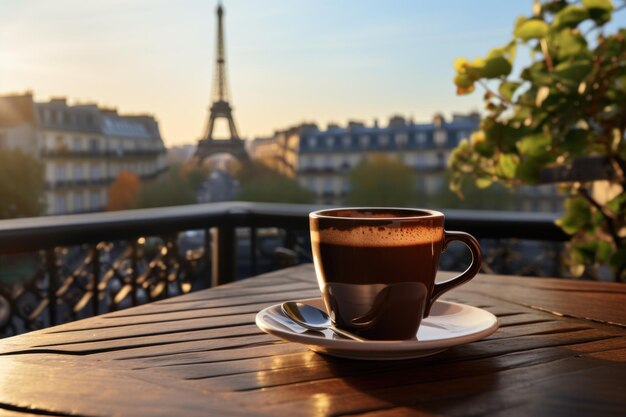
(376, 267)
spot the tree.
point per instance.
(123, 191)
(381, 181)
(496, 197)
(174, 189)
(566, 108)
(192, 173)
(21, 185)
(260, 184)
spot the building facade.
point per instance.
(83, 148)
(322, 160)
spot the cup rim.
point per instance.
(423, 213)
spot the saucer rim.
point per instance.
(392, 346)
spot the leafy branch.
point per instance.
(568, 104)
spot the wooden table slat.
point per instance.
(560, 350)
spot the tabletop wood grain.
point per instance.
(560, 350)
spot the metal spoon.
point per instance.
(313, 318)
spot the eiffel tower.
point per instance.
(221, 108)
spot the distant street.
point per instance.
(220, 186)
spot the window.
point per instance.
(95, 172)
(59, 143)
(95, 200)
(78, 172)
(59, 173)
(364, 140)
(328, 162)
(59, 204)
(461, 134)
(346, 141)
(402, 139)
(330, 142)
(304, 162)
(93, 144)
(383, 141)
(328, 185)
(312, 142)
(77, 144)
(420, 161)
(421, 139)
(441, 160)
(78, 202)
(408, 159)
(441, 137)
(345, 186)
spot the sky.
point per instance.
(287, 61)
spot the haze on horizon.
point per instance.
(287, 62)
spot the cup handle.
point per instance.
(471, 271)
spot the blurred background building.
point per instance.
(322, 160)
(83, 147)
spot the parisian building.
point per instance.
(321, 160)
(83, 147)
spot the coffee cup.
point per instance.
(376, 267)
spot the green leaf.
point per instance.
(531, 29)
(606, 5)
(507, 89)
(528, 171)
(459, 65)
(483, 182)
(618, 204)
(586, 252)
(496, 52)
(519, 21)
(462, 80)
(573, 71)
(569, 43)
(535, 145)
(496, 67)
(577, 215)
(570, 16)
(600, 16)
(508, 164)
(603, 251)
(575, 141)
(618, 260)
(475, 69)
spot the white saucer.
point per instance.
(449, 324)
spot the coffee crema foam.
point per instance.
(375, 236)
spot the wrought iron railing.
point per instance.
(61, 268)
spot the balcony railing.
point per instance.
(100, 153)
(61, 268)
(74, 183)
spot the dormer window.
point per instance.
(402, 139)
(383, 141)
(364, 140)
(330, 142)
(440, 137)
(346, 141)
(312, 142)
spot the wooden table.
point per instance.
(561, 350)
